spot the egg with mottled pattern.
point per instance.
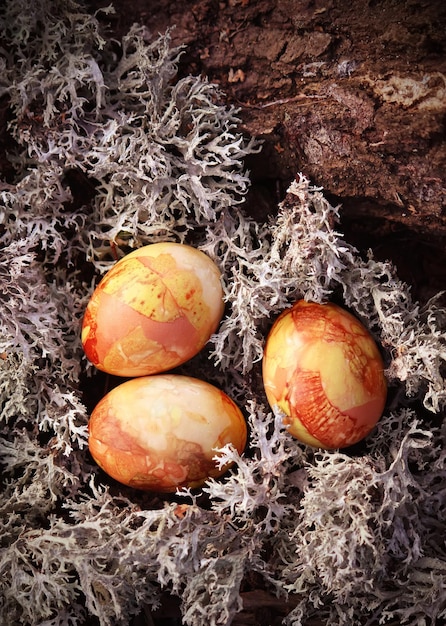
(323, 370)
(159, 433)
(155, 309)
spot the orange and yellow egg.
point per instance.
(154, 310)
(159, 433)
(324, 371)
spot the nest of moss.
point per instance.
(108, 150)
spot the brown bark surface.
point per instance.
(352, 94)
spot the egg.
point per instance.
(154, 310)
(159, 433)
(324, 371)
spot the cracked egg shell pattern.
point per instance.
(154, 310)
(159, 433)
(323, 369)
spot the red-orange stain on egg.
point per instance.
(113, 448)
(120, 455)
(332, 427)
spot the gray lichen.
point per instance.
(349, 538)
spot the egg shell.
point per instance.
(154, 310)
(159, 433)
(323, 369)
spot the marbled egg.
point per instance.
(159, 433)
(154, 310)
(323, 369)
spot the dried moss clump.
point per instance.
(107, 150)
